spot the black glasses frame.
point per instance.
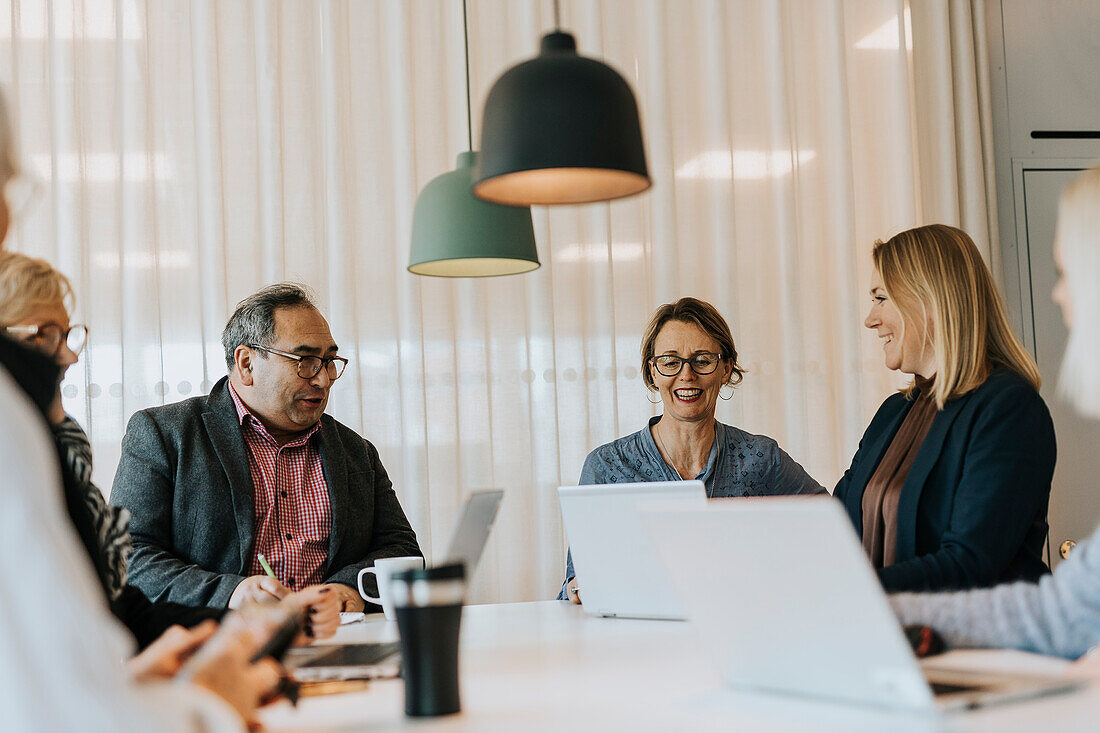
(679, 361)
(310, 366)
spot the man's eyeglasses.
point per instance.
(310, 366)
(670, 366)
(48, 338)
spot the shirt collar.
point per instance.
(246, 416)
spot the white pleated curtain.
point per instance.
(191, 152)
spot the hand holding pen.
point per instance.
(259, 588)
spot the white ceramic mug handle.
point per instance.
(359, 582)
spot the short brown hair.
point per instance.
(937, 269)
(253, 321)
(705, 316)
(27, 283)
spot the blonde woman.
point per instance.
(949, 487)
(1060, 614)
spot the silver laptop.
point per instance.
(472, 531)
(615, 563)
(784, 597)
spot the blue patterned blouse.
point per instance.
(740, 464)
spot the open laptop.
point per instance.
(472, 531)
(468, 539)
(615, 562)
(784, 598)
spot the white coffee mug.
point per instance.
(383, 568)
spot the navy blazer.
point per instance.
(184, 476)
(973, 509)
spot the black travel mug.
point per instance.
(428, 604)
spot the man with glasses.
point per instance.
(255, 477)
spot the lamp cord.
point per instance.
(557, 15)
(466, 53)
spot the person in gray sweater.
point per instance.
(1059, 615)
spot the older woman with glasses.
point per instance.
(688, 359)
(34, 308)
(35, 300)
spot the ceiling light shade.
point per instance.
(560, 129)
(455, 234)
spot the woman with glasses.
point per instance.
(63, 663)
(689, 359)
(34, 309)
(950, 483)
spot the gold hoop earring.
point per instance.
(722, 395)
(648, 393)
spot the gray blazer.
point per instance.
(184, 476)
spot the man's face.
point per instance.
(284, 402)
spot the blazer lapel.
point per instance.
(911, 490)
(875, 451)
(335, 467)
(225, 434)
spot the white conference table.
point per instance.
(547, 666)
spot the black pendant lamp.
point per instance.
(560, 129)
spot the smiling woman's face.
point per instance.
(688, 396)
(904, 344)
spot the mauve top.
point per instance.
(883, 492)
(740, 464)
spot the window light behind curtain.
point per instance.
(191, 152)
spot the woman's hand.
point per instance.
(572, 592)
(165, 656)
(222, 666)
(322, 612)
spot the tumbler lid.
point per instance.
(442, 585)
(451, 571)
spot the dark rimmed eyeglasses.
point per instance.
(310, 366)
(48, 338)
(701, 363)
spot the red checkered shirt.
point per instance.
(293, 515)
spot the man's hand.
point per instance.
(350, 600)
(258, 588)
(165, 656)
(573, 592)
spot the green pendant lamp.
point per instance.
(560, 129)
(455, 234)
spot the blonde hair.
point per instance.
(938, 270)
(27, 283)
(706, 317)
(1078, 240)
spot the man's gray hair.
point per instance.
(253, 322)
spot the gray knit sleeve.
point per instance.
(1059, 615)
